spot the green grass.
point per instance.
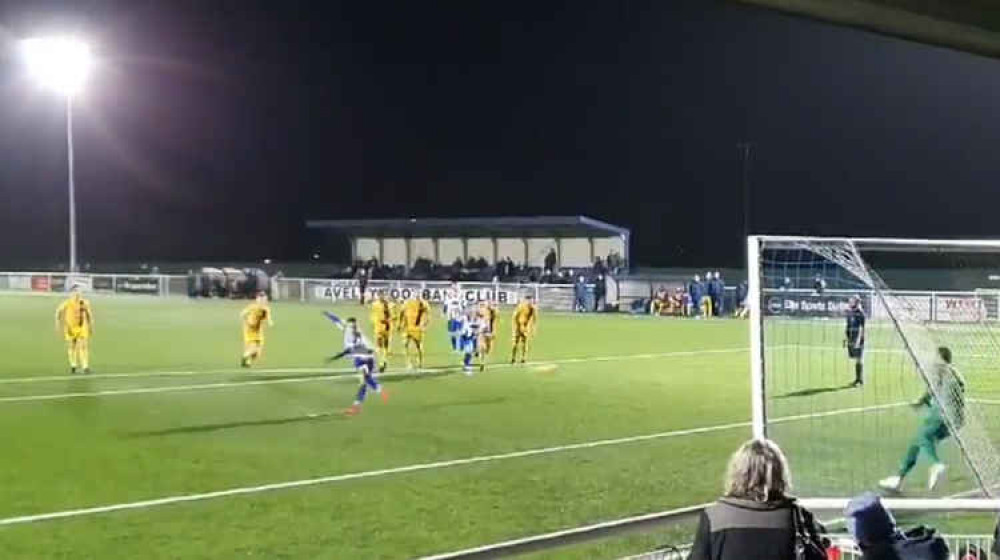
(83, 452)
(153, 436)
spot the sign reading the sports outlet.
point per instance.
(807, 305)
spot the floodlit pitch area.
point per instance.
(169, 450)
(448, 462)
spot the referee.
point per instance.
(854, 338)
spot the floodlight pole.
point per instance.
(73, 267)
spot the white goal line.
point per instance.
(248, 490)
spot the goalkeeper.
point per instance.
(946, 399)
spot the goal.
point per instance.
(917, 296)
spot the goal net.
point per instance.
(916, 297)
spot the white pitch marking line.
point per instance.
(180, 373)
(344, 373)
(140, 375)
(144, 504)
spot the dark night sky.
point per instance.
(213, 128)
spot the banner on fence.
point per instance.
(138, 284)
(103, 284)
(40, 284)
(787, 304)
(82, 283)
(19, 282)
(350, 290)
(918, 306)
(958, 309)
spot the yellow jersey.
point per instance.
(525, 315)
(491, 318)
(76, 316)
(381, 316)
(416, 314)
(254, 316)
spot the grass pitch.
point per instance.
(168, 413)
(616, 416)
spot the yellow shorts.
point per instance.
(381, 338)
(73, 334)
(253, 337)
(487, 341)
(416, 335)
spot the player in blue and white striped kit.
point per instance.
(454, 310)
(471, 328)
(363, 354)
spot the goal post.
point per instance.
(917, 296)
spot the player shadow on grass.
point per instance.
(815, 391)
(206, 428)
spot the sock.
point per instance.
(361, 394)
(909, 460)
(84, 353)
(71, 353)
(468, 359)
(454, 343)
(859, 372)
(370, 381)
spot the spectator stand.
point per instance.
(543, 249)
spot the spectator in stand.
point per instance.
(878, 537)
(754, 518)
(676, 302)
(711, 295)
(819, 285)
(718, 306)
(600, 290)
(786, 284)
(362, 282)
(580, 295)
(599, 266)
(695, 291)
(614, 261)
(658, 303)
(685, 299)
(741, 300)
(550, 260)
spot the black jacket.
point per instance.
(733, 529)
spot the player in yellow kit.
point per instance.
(382, 325)
(487, 337)
(398, 327)
(525, 322)
(416, 315)
(254, 317)
(75, 320)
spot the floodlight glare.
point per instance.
(58, 63)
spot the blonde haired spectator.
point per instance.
(753, 519)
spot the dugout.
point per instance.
(576, 240)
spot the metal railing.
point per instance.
(665, 519)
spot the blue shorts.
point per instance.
(454, 325)
(469, 344)
(365, 363)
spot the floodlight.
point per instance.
(58, 63)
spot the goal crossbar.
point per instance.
(886, 243)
